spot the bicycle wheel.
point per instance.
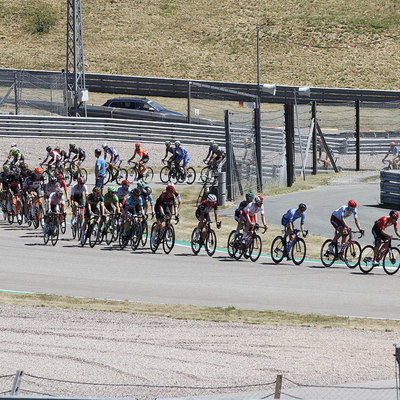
(54, 232)
(238, 247)
(169, 239)
(173, 176)
(255, 248)
(352, 254)
(148, 175)
(154, 245)
(108, 177)
(108, 233)
(132, 173)
(41, 215)
(115, 229)
(10, 217)
(68, 177)
(136, 235)
(366, 258)
(124, 239)
(63, 225)
(205, 174)
(211, 242)
(73, 229)
(191, 175)
(328, 257)
(298, 251)
(93, 228)
(195, 244)
(121, 175)
(46, 235)
(278, 249)
(231, 243)
(145, 231)
(19, 213)
(164, 174)
(391, 261)
(35, 218)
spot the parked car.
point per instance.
(133, 103)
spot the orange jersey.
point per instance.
(141, 152)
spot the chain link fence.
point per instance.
(22, 93)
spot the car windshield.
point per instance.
(156, 106)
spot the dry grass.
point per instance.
(217, 40)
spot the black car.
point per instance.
(133, 103)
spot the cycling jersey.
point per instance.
(56, 200)
(220, 153)
(251, 209)
(122, 193)
(206, 206)
(35, 184)
(291, 216)
(345, 212)
(51, 188)
(140, 152)
(79, 191)
(77, 151)
(180, 153)
(111, 151)
(385, 222)
(94, 201)
(110, 199)
(167, 198)
(133, 205)
(5, 179)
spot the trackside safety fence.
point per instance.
(25, 385)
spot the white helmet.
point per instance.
(212, 142)
(177, 143)
(13, 145)
(104, 145)
(212, 198)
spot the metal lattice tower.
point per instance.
(75, 57)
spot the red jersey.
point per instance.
(384, 222)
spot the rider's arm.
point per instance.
(357, 223)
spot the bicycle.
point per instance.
(53, 228)
(72, 173)
(76, 224)
(207, 237)
(390, 257)
(251, 247)
(165, 235)
(37, 217)
(295, 249)
(110, 230)
(209, 173)
(133, 172)
(133, 233)
(176, 174)
(118, 175)
(349, 253)
(92, 231)
(16, 210)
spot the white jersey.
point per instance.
(251, 209)
(51, 188)
(76, 191)
(56, 200)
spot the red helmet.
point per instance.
(137, 144)
(125, 182)
(394, 214)
(259, 200)
(38, 171)
(352, 204)
(170, 188)
(81, 180)
(393, 143)
(60, 176)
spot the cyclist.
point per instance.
(79, 194)
(51, 186)
(63, 185)
(114, 156)
(5, 179)
(94, 204)
(181, 154)
(242, 205)
(169, 150)
(133, 205)
(64, 157)
(166, 204)
(55, 159)
(393, 150)
(143, 159)
(25, 171)
(123, 190)
(145, 193)
(111, 201)
(290, 216)
(249, 215)
(210, 150)
(79, 155)
(55, 203)
(203, 213)
(34, 188)
(16, 155)
(380, 234)
(338, 222)
(217, 158)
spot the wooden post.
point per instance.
(278, 387)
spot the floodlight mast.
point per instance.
(77, 93)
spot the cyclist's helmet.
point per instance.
(394, 214)
(137, 145)
(125, 182)
(53, 179)
(24, 166)
(212, 142)
(259, 200)
(250, 194)
(81, 180)
(59, 191)
(147, 191)
(212, 198)
(135, 192)
(13, 145)
(215, 146)
(170, 188)
(111, 189)
(177, 143)
(96, 189)
(302, 207)
(167, 142)
(393, 143)
(38, 171)
(104, 145)
(352, 204)
(60, 176)
(72, 145)
(48, 148)
(141, 184)
(6, 167)
(17, 171)
(58, 148)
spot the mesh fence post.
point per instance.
(289, 132)
(278, 387)
(257, 120)
(314, 140)
(16, 93)
(16, 383)
(228, 148)
(357, 135)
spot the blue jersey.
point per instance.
(111, 151)
(133, 205)
(180, 152)
(291, 216)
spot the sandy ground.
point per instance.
(143, 351)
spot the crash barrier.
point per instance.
(23, 386)
(390, 187)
